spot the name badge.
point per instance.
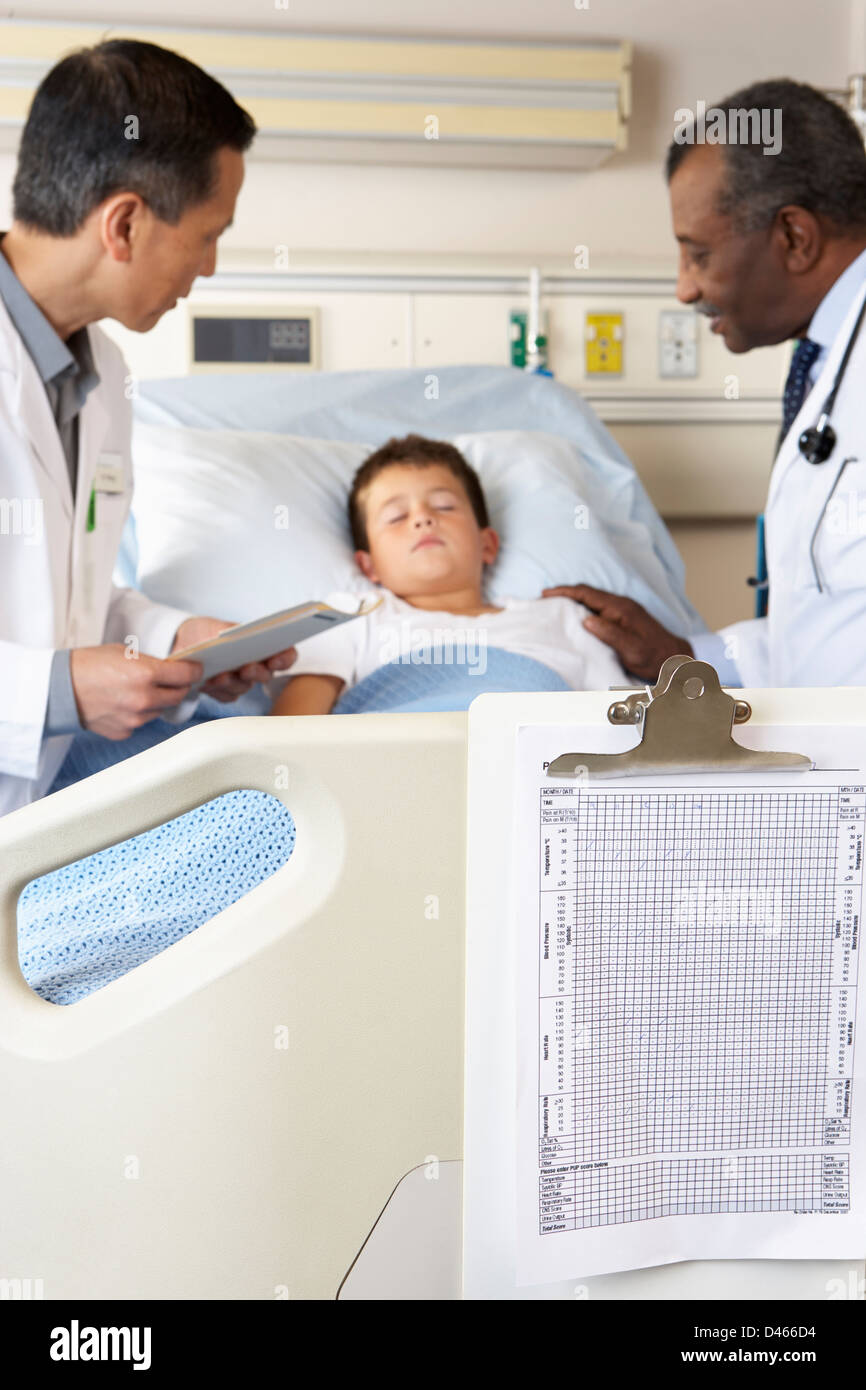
(108, 475)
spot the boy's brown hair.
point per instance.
(418, 452)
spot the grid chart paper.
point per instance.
(696, 1001)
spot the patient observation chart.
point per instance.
(686, 972)
(695, 998)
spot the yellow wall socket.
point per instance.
(604, 338)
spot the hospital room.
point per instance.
(402, 409)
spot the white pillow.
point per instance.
(237, 523)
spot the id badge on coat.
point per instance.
(108, 475)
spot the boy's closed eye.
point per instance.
(443, 505)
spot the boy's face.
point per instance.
(422, 534)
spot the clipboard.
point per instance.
(801, 725)
(242, 643)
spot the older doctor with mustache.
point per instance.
(772, 247)
(129, 167)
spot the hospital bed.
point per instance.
(273, 1107)
(236, 519)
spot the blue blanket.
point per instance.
(90, 922)
(416, 686)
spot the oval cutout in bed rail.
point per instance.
(281, 758)
(92, 921)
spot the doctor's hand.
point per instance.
(639, 641)
(228, 685)
(116, 693)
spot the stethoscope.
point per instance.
(815, 445)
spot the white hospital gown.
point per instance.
(548, 630)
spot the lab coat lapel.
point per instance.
(789, 454)
(93, 423)
(34, 412)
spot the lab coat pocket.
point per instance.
(839, 542)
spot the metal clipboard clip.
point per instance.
(686, 719)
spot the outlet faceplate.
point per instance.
(678, 343)
(604, 342)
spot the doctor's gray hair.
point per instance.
(123, 116)
(820, 166)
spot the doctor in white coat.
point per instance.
(112, 218)
(772, 247)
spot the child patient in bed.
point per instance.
(421, 531)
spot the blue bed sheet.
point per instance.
(90, 922)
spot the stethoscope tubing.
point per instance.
(841, 469)
(823, 426)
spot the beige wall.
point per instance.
(718, 558)
(684, 50)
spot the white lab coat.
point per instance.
(55, 581)
(810, 637)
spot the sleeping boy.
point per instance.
(422, 534)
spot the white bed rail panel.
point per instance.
(159, 1143)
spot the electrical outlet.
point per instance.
(678, 343)
(604, 339)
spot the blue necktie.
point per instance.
(797, 384)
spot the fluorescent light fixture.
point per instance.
(380, 100)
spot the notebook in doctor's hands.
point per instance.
(259, 640)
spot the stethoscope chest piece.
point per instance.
(817, 444)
